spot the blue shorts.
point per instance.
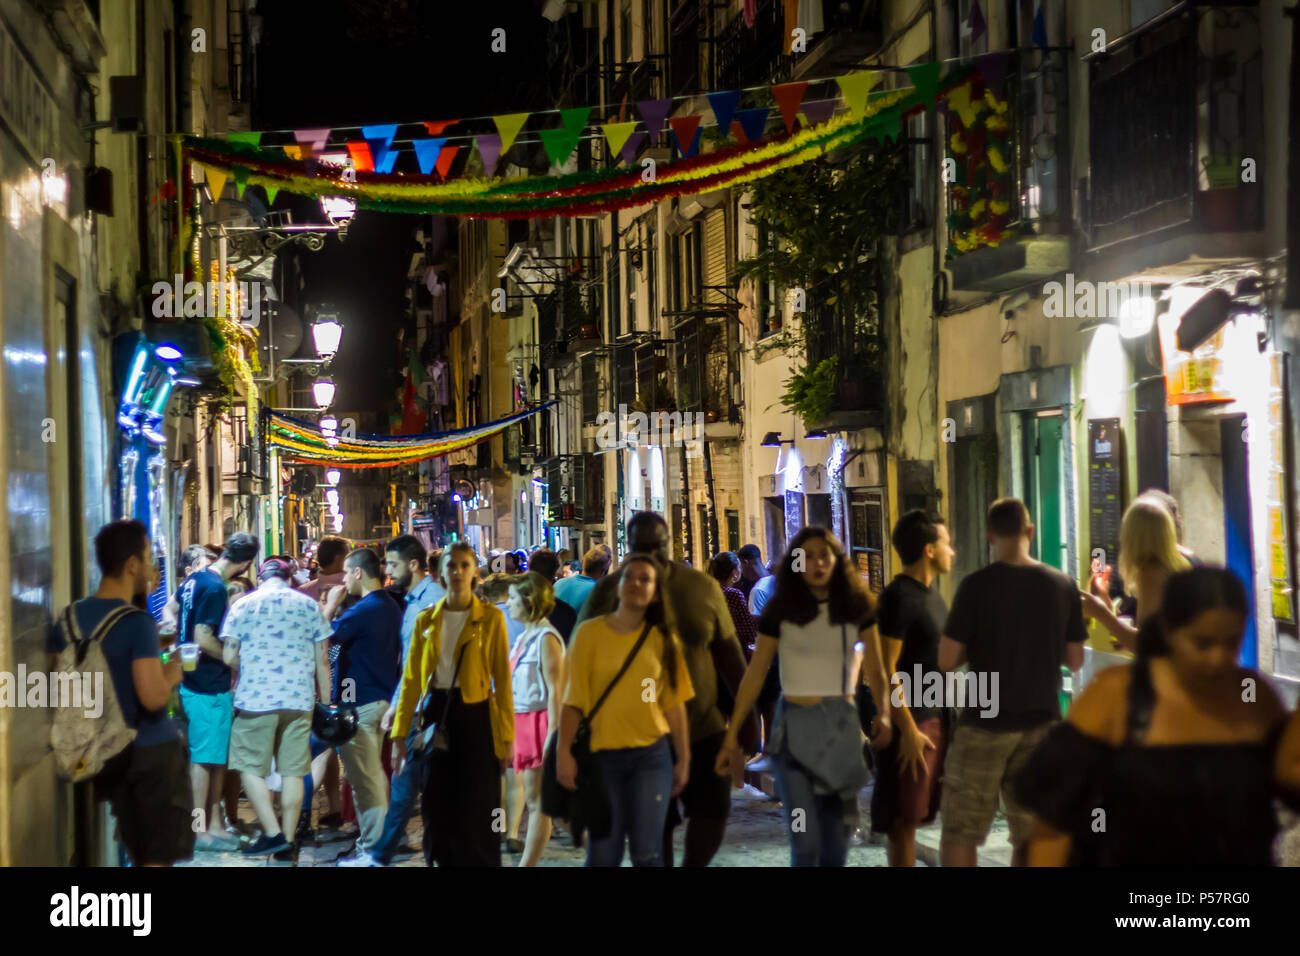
(209, 716)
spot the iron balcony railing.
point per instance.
(706, 357)
(1174, 108)
(566, 486)
(641, 376)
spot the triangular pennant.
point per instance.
(435, 127)
(976, 21)
(216, 181)
(445, 158)
(994, 70)
(753, 122)
(653, 113)
(241, 180)
(489, 147)
(959, 99)
(508, 126)
(738, 132)
(818, 111)
(628, 152)
(575, 119)
(724, 107)
(426, 153)
(271, 192)
(380, 139)
(887, 123)
(925, 77)
(558, 143)
(312, 140)
(686, 129)
(788, 97)
(616, 134)
(1039, 33)
(248, 139)
(855, 87)
(362, 160)
(292, 151)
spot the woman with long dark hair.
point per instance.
(823, 621)
(1170, 760)
(630, 716)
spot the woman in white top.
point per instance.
(823, 622)
(537, 668)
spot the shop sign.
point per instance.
(1196, 376)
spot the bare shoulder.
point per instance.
(1259, 695)
(1100, 710)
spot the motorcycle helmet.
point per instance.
(334, 726)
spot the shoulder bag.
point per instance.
(589, 807)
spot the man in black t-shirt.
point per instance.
(910, 620)
(1015, 622)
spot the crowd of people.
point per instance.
(624, 702)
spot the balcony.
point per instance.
(566, 480)
(706, 356)
(635, 81)
(641, 377)
(568, 322)
(859, 400)
(1175, 107)
(684, 48)
(752, 56)
(1036, 186)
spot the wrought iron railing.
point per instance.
(1175, 107)
(566, 485)
(708, 367)
(684, 48)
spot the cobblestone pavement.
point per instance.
(755, 837)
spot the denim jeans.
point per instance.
(819, 835)
(401, 804)
(640, 784)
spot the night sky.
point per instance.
(354, 62)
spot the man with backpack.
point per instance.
(147, 781)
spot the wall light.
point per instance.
(322, 392)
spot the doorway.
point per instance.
(1042, 480)
(974, 487)
(1237, 543)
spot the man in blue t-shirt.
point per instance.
(369, 638)
(206, 691)
(575, 590)
(148, 784)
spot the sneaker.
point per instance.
(215, 843)
(304, 836)
(361, 858)
(265, 845)
(287, 856)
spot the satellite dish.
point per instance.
(285, 329)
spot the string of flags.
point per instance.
(365, 168)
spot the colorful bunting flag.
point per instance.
(630, 147)
(788, 97)
(976, 21)
(508, 126)
(216, 181)
(993, 67)
(686, 129)
(925, 77)
(818, 111)
(311, 141)
(653, 113)
(616, 134)
(445, 158)
(241, 180)
(271, 193)
(362, 160)
(753, 122)
(380, 139)
(426, 153)
(855, 87)
(489, 148)
(435, 127)
(724, 107)
(248, 139)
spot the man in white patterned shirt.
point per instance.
(279, 639)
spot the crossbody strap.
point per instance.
(844, 658)
(636, 648)
(110, 620)
(428, 688)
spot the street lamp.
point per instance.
(339, 210)
(322, 393)
(333, 476)
(326, 333)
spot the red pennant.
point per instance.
(445, 158)
(788, 97)
(435, 127)
(684, 128)
(362, 161)
(738, 131)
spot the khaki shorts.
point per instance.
(979, 765)
(284, 734)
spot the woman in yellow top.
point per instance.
(459, 652)
(1148, 555)
(629, 733)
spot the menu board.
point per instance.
(1105, 486)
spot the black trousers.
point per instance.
(463, 820)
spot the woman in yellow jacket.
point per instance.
(459, 652)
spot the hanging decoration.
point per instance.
(983, 185)
(304, 444)
(812, 128)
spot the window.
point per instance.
(706, 538)
(733, 530)
(765, 297)
(920, 188)
(625, 32)
(615, 292)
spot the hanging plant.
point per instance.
(812, 392)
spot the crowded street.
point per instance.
(670, 434)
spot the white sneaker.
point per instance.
(361, 858)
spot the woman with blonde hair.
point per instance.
(1148, 555)
(536, 672)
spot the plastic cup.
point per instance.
(189, 656)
